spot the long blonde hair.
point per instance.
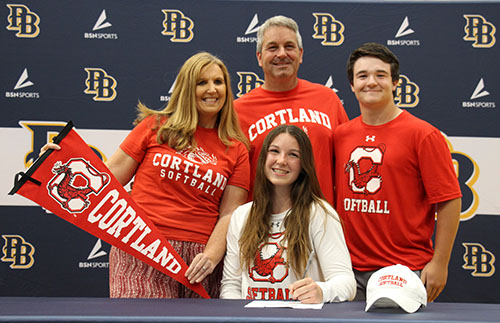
(177, 123)
(305, 191)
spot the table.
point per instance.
(69, 309)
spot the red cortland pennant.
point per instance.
(76, 185)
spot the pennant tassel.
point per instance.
(20, 179)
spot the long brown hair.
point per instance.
(305, 191)
(177, 123)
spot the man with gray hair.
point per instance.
(286, 99)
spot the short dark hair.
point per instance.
(374, 50)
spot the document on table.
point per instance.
(291, 304)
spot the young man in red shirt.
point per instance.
(393, 172)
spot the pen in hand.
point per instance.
(309, 261)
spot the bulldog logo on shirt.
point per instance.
(363, 169)
(269, 264)
(199, 156)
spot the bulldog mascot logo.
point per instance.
(63, 188)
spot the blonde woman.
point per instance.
(191, 168)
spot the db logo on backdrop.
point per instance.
(18, 251)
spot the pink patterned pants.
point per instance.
(132, 278)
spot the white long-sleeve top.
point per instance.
(268, 276)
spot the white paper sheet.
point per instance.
(291, 304)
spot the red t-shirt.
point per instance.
(310, 106)
(181, 190)
(388, 179)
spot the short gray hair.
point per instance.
(278, 21)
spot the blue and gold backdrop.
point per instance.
(92, 61)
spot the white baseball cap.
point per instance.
(395, 286)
